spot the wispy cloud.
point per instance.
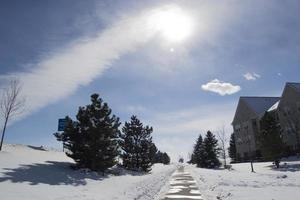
(251, 76)
(61, 73)
(222, 88)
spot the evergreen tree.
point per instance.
(153, 152)
(191, 156)
(158, 157)
(270, 138)
(136, 143)
(181, 160)
(211, 151)
(162, 157)
(232, 149)
(92, 140)
(198, 153)
(166, 159)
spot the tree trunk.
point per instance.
(252, 169)
(3, 132)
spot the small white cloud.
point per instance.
(256, 75)
(222, 88)
(134, 109)
(279, 74)
(251, 76)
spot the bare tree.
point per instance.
(11, 104)
(223, 140)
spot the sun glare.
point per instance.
(172, 23)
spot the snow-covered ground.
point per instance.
(34, 174)
(30, 173)
(266, 183)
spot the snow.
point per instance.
(34, 174)
(182, 186)
(240, 184)
(274, 107)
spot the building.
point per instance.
(246, 123)
(288, 112)
(250, 110)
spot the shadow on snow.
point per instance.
(51, 173)
(286, 167)
(41, 148)
(58, 173)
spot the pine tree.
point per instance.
(232, 149)
(158, 157)
(270, 138)
(162, 157)
(92, 140)
(165, 158)
(211, 151)
(198, 153)
(146, 162)
(136, 143)
(153, 152)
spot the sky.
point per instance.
(180, 66)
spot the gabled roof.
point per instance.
(257, 106)
(294, 85)
(260, 104)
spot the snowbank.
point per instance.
(34, 173)
(240, 184)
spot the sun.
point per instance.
(173, 23)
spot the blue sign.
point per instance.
(62, 124)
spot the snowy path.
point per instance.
(182, 187)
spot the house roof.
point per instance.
(260, 104)
(294, 85)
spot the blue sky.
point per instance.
(63, 51)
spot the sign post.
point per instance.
(61, 126)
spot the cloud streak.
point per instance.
(221, 88)
(60, 74)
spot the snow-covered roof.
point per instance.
(274, 107)
(260, 104)
(294, 85)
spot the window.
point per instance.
(289, 130)
(246, 157)
(245, 125)
(286, 111)
(298, 105)
(237, 128)
(277, 116)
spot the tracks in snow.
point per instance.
(182, 187)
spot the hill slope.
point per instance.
(33, 173)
